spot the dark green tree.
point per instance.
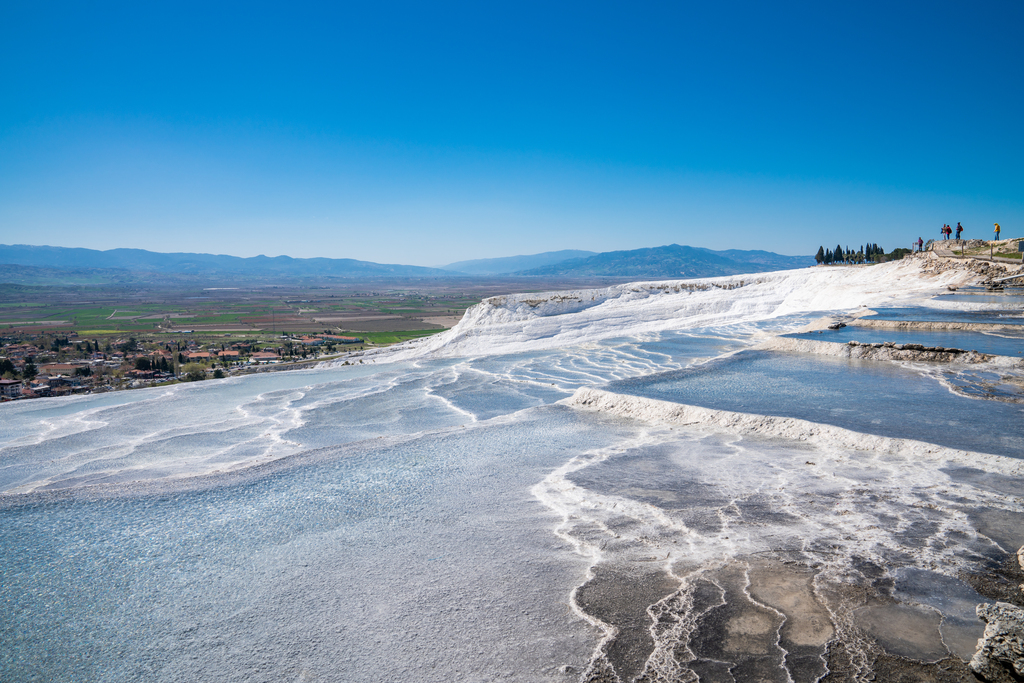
(29, 371)
(839, 254)
(143, 363)
(194, 372)
(820, 256)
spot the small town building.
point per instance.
(57, 368)
(10, 388)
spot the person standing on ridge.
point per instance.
(920, 244)
(996, 231)
(959, 229)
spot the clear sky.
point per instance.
(427, 133)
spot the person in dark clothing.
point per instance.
(959, 229)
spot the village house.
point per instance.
(21, 351)
(10, 388)
(229, 355)
(265, 357)
(57, 369)
(62, 381)
(147, 374)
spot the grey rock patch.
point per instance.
(1000, 655)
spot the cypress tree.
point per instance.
(838, 253)
(820, 256)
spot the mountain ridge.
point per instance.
(672, 261)
(199, 264)
(83, 265)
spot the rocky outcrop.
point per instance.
(916, 352)
(880, 351)
(941, 263)
(1000, 655)
(1020, 561)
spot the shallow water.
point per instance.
(362, 564)
(863, 396)
(992, 316)
(1007, 298)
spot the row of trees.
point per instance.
(868, 253)
(161, 364)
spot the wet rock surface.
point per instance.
(804, 564)
(1000, 656)
(759, 619)
(620, 596)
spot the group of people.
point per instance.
(947, 231)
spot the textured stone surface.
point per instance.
(1000, 655)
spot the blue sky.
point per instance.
(429, 133)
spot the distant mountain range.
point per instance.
(514, 264)
(24, 265)
(205, 264)
(672, 261)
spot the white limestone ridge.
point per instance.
(525, 322)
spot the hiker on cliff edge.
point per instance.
(920, 244)
(996, 231)
(959, 229)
